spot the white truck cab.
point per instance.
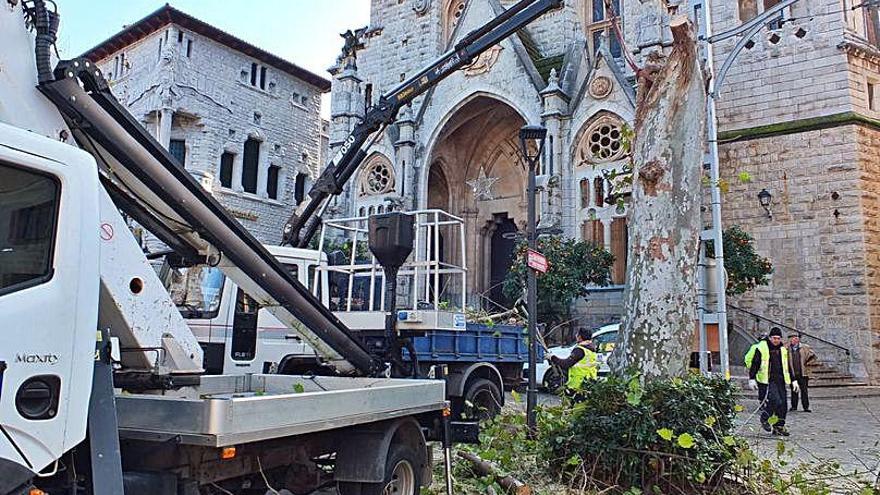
(236, 334)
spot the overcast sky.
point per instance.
(305, 32)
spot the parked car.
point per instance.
(547, 377)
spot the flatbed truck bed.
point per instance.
(228, 410)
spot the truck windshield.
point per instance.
(195, 290)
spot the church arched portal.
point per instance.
(478, 148)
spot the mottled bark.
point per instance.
(660, 313)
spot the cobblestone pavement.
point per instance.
(846, 430)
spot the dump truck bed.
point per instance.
(228, 410)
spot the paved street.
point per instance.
(846, 430)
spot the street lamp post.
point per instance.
(532, 139)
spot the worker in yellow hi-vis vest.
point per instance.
(768, 370)
(582, 364)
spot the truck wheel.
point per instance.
(482, 400)
(402, 475)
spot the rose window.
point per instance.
(378, 179)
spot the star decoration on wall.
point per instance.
(482, 186)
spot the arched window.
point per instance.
(451, 15)
(377, 177)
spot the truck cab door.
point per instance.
(49, 276)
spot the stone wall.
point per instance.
(868, 142)
(791, 78)
(205, 87)
(815, 239)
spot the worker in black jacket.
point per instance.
(769, 367)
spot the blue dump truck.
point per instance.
(483, 361)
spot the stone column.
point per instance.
(166, 115)
(559, 190)
(405, 148)
(346, 110)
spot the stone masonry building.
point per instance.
(244, 122)
(798, 112)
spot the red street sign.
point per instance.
(537, 261)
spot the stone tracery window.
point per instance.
(451, 16)
(377, 177)
(602, 142)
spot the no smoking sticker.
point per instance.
(106, 231)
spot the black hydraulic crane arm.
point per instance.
(305, 221)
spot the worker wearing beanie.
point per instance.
(769, 368)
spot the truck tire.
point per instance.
(482, 400)
(402, 475)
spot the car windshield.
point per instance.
(195, 290)
(605, 342)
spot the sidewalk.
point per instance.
(844, 427)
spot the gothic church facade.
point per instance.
(797, 114)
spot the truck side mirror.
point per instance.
(244, 328)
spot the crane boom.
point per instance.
(303, 224)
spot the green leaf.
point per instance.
(729, 441)
(772, 420)
(745, 177)
(710, 421)
(685, 441)
(634, 395)
(665, 434)
(573, 461)
(298, 388)
(739, 408)
(515, 395)
(780, 447)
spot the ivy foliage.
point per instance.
(574, 265)
(746, 269)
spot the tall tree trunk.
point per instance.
(664, 233)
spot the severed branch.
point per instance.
(485, 468)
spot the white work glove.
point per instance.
(753, 385)
(795, 387)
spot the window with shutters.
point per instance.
(273, 181)
(599, 190)
(227, 161)
(620, 250)
(250, 165)
(177, 148)
(748, 9)
(872, 24)
(594, 231)
(585, 193)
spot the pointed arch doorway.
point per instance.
(481, 135)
